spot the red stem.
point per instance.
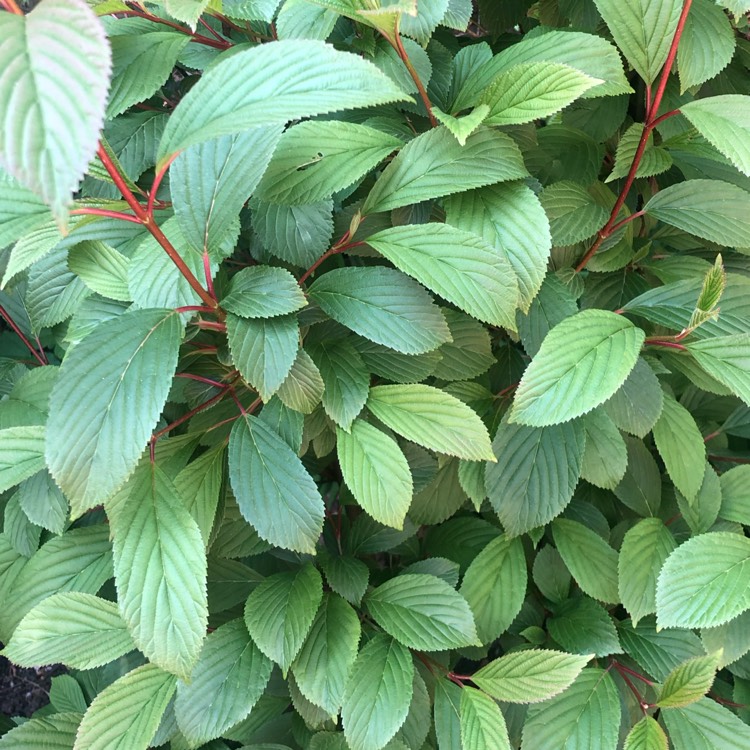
(11, 6)
(398, 45)
(200, 379)
(211, 325)
(335, 250)
(649, 125)
(158, 177)
(215, 43)
(667, 344)
(12, 323)
(207, 274)
(105, 212)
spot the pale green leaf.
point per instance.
(636, 405)
(432, 418)
(511, 219)
(20, 211)
(482, 722)
(582, 626)
(582, 362)
(680, 444)
(300, 19)
(303, 388)
(647, 734)
(251, 10)
(689, 682)
(273, 489)
(107, 400)
(455, 264)
(79, 630)
(701, 513)
(263, 292)
(382, 305)
(644, 550)
(160, 570)
(529, 676)
(531, 91)
(56, 64)
(710, 209)
(591, 561)
(495, 586)
(573, 213)
(55, 731)
(316, 159)
(434, 164)
(735, 494)
(469, 354)
(376, 472)
(227, 681)
(643, 30)
(187, 11)
(462, 127)
(524, 491)
(126, 714)
(423, 612)
(706, 725)
(654, 160)
(271, 84)
(605, 459)
(322, 667)
(102, 269)
(705, 582)
(347, 576)
(21, 454)
(377, 695)
(726, 358)
(732, 639)
(263, 350)
(43, 502)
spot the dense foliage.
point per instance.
(377, 376)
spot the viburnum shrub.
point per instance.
(376, 376)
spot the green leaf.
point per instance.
(644, 550)
(587, 713)
(647, 734)
(303, 387)
(531, 91)
(732, 639)
(605, 459)
(653, 161)
(735, 494)
(263, 292)
(225, 684)
(102, 269)
(705, 582)
(689, 682)
(299, 19)
(681, 447)
(432, 418)
(20, 211)
(107, 400)
(482, 722)
(377, 695)
(706, 46)
(160, 570)
(272, 84)
(643, 30)
(263, 350)
(706, 725)
(211, 181)
(423, 612)
(573, 213)
(494, 585)
(78, 630)
(511, 219)
(469, 354)
(21, 454)
(726, 358)
(382, 305)
(280, 611)
(591, 561)
(126, 714)
(274, 491)
(636, 405)
(316, 159)
(347, 576)
(710, 209)
(141, 64)
(701, 514)
(524, 491)
(582, 626)
(462, 127)
(57, 63)
(322, 666)
(455, 264)
(447, 713)
(33, 734)
(376, 471)
(434, 164)
(529, 676)
(43, 503)
(187, 11)
(581, 363)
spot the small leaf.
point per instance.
(582, 626)
(482, 722)
(727, 359)
(423, 612)
(303, 388)
(708, 725)
(637, 404)
(581, 363)
(573, 213)
(280, 611)
(263, 292)
(432, 418)
(529, 676)
(605, 459)
(647, 734)
(689, 682)
(21, 454)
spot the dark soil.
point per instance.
(23, 691)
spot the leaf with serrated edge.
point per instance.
(280, 611)
(107, 400)
(530, 676)
(482, 722)
(79, 630)
(423, 612)
(274, 83)
(273, 489)
(225, 684)
(726, 358)
(376, 471)
(432, 418)
(21, 454)
(160, 570)
(706, 725)
(377, 696)
(689, 682)
(56, 67)
(580, 364)
(263, 292)
(126, 714)
(36, 733)
(705, 582)
(647, 734)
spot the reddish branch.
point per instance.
(652, 121)
(398, 45)
(208, 41)
(11, 6)
(38, 355)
